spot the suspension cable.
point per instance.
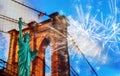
(30, 7)
(10, 19)
(84, 56)
(73, 71)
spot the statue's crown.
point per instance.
(20, 18)
(26, 35)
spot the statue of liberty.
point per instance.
(25, 54)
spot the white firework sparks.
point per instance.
(93, 34)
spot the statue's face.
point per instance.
(27, 39)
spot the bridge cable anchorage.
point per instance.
(10, 19)
(40, 12)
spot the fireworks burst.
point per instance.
(96, 31)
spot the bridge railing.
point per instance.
(11, 70)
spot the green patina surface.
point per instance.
(25, 54)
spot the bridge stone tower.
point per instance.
(52, 31)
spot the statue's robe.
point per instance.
(25, 57)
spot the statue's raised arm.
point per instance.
(20, 28)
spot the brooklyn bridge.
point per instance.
(50, 32)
